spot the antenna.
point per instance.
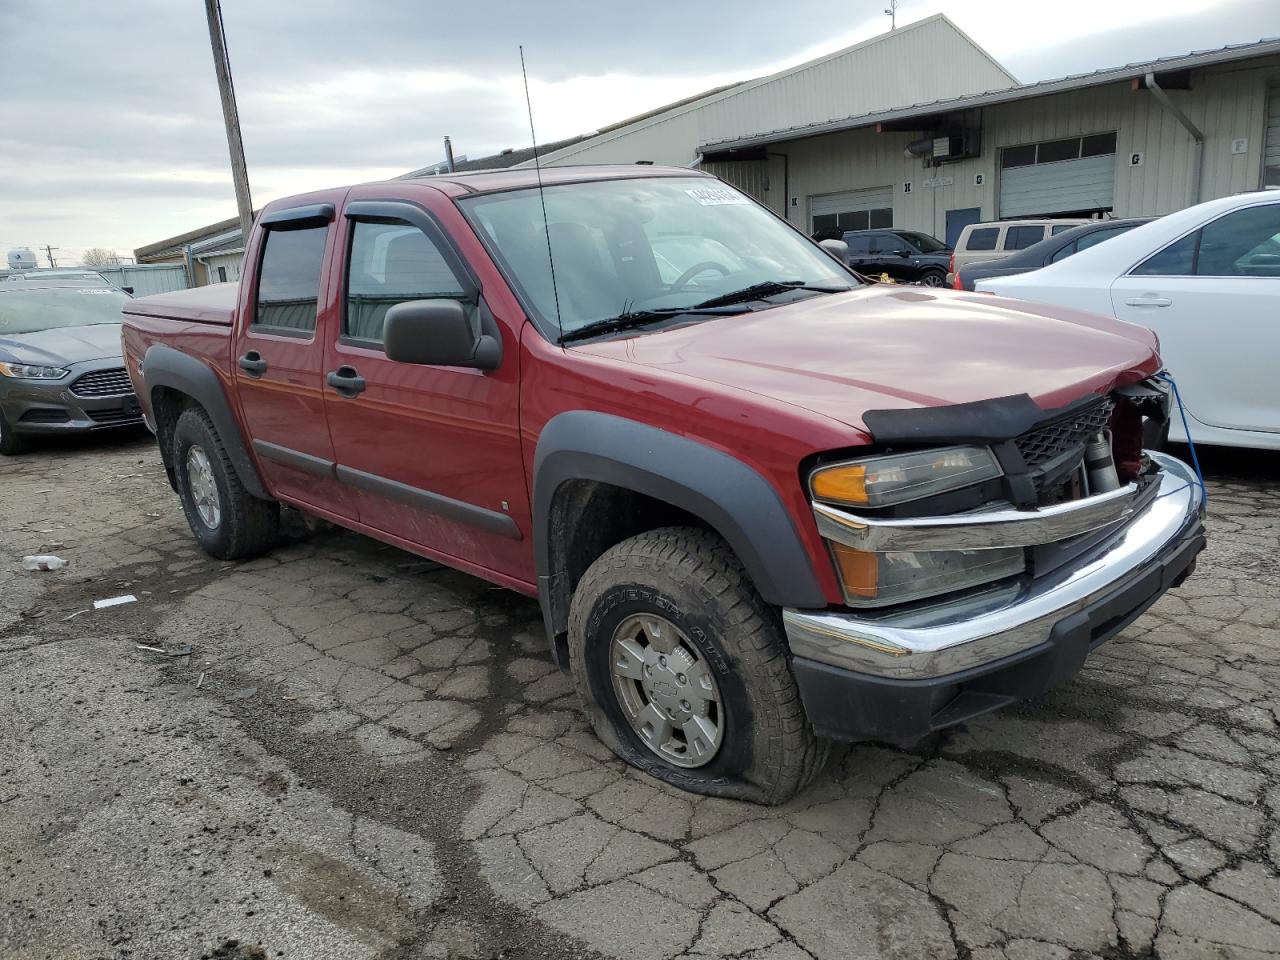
(537, 166)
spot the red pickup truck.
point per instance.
(763, 504)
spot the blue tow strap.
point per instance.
(1186, 428)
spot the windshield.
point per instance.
(644, 244)
(923, 242)
(27, 311)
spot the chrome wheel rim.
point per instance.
(204, 490)
(931, 280)
(666, 690)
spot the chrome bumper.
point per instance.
(951, 637)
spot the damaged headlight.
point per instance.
(899, 478)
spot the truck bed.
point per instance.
(215, 304)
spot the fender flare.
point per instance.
(163, 366)
(734, 499)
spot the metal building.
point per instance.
(1140, 140)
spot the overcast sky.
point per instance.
(111, 132)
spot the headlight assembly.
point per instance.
(876, 579)
(900, 478)
(23, 371)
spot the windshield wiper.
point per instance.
(638, 318)
(768, 288)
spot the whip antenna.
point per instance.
(537, 166)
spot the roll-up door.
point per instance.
(833, 213)
(1058, 177)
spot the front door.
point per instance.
(279, 355)
(1212, 297)
(432, 453)
(957, 220)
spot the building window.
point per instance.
(222, 274)
(1055, 151)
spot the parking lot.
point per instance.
(366, 755)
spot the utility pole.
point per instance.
(892, 14)
(48, 252)
(222, 66)
(448, 154)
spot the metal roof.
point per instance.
(1189, 61)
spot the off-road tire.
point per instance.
(248, 526)
(11, 443)
(768, 751)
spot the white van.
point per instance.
(991, 241)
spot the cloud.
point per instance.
(112, 128)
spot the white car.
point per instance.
(1207, 281)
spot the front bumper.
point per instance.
(900, 676)
(51, 407)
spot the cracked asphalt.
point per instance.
(365, 755)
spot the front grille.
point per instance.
(117, 416)
(1043, 444)
(103, 383)
(45, 416)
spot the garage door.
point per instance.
(832, 214)
(1271, 162)
(1058, 177)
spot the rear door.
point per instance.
(279, 353)
(860, 252)
(1213, 298)
(432, 453)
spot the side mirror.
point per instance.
(128, 290)
(837, 248)
(437, 333)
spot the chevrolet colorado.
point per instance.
(763, 506)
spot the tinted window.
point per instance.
(1055, 150)
(1176, 260)
(1018, 156)
(1019, 238)
(1058, 228)
(391, 263)
(859, 244)
(1062, 254)
(1093, 239)
(923, 242)
(289, 280)
(889, 243)
(1242, 244)
(984, 239)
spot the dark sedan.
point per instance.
(1055, 248)
(905, 256)
(61, 368)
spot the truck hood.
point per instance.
(885, 347)
(62, 345)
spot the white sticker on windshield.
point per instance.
(712, 196)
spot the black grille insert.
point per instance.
(1045, 443)
(103, 383)
(119, 415)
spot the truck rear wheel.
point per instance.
(682, 669)
(228, 522)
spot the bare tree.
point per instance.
(99, 257)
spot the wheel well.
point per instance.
(587, 517)
(167, 405)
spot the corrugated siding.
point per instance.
(1228, 104)
(1062, 187)
(1271, 155)
(916, 64)
(147, 279)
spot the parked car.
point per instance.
(1207, 281)
(991, 241)
(905, 255)
(1061, 245)
(761, 503)
(61, 369)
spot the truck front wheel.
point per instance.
(228, 522)
(682, 669)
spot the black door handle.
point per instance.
(253, 364)
(346, 381)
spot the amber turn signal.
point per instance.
(859, 571)
(844, 484)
